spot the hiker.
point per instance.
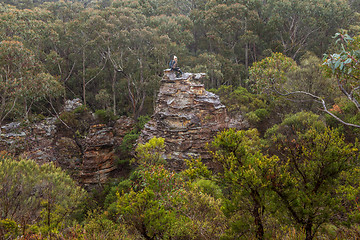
(175, 68)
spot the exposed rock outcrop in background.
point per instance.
(187, 116)
(99, 153)
(87, 154)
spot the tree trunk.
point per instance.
(246, 49)
(308, 230)
(83, 77)
(257, 216)
(113, 91)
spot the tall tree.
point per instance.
(301, 25)
(22, 78)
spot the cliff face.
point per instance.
(88, 154)
(187, 116)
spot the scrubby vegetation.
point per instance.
(290, 68)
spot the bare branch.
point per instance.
(12, 107)
(97, 74)
(71, 70)
(323, 103)
(56, 113)
(350, 95)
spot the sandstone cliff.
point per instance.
(85, 148)
(187, 116)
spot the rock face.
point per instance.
(187, 116)
(89, 155)
(99, 152)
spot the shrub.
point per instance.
(31, 193)
(105, 116)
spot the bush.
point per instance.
(9, 229)
(80, 109)
(130, 138)
(42, 194)
(69, 118)
(209, 187)
(105, 116)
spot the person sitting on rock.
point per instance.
(175, 68)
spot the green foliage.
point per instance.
(346, 110)
(141, 121)
(105, 116)
(344, 66)
(31, 192)
(82, 109)
(104, 98)
(196, 169)
(111, 197)
(69, 118)
(239, 99)
(315, 176)
(258, 115)
(150, 153)
(130, 138)
(295, 123)
(344, 63)
(163, 205)
(244, 171)
(128, 142)
(270, 74)
(208, 187)
(98, 226)
(9, 229)
(22, 78)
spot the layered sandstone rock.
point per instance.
(187, 116)
(98, 158)
(89, 156)
(99, 150)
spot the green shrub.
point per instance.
(141, 121)
(69, 118)
(44, 195)
(209, 187)
(262, 113)
(130, 138)
(252, 117)
(128, 142)
(105, 116)
(80, 109)
(196, 169)
(9, 228)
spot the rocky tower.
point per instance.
(187, 116)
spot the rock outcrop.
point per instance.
(89, 154)
(187, 116)
(99, 150)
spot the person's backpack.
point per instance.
(171, 63)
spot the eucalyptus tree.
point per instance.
(305, 25)
(22, 78)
